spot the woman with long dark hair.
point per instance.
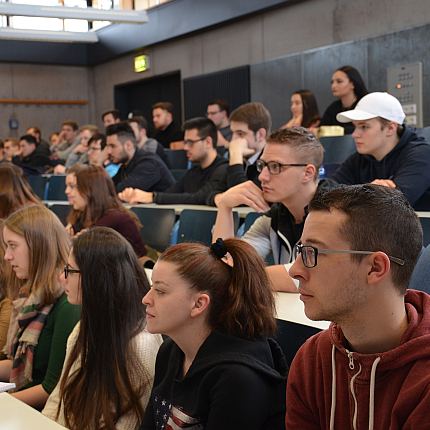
(37, 247)
(304, 111)
(15, 191)
(219, 369)
(109, 367)
(348, 86)
(92, 194)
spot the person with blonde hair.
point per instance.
(37, 247)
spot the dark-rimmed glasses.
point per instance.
(310, 253)
(192, 142)
(274, 167)
(68, 271)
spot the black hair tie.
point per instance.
(218, 248)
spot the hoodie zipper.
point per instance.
(351, 386)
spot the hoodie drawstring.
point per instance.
(372, 393)
(333, 387)
(372, 389)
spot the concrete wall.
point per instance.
(21, 81)
(281, 32)
(292, 29)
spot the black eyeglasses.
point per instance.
(192, 142)
(212, 113)
(67, 271)
(274, 167)
(309, 254)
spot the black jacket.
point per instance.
(232, 384)
(145, 171)
(407, 165)
(195, 185)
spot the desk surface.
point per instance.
(16, 415)
(242, 210)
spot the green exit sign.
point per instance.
(141, 63)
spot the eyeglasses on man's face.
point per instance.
(274, 167)
(212, 113)
(192, 142)
(68, 271)
(310, 253)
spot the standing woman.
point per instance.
(304, 111)
(15, 191)
(109, 367)
(218, 370)
(92, 194)
(37, 247)
(348, 86)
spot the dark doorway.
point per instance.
(143, 94)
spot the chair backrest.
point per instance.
(157, 225)
(291, 336)
(425, 224)
(420, 276)
(38, 185)
(197, 225)
(337, 148)
(250, 219)
(177, 158)
(62, 212)
(57, 188)
(425, 132)
(178, 173)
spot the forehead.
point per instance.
(113, 140)
(159, 111)
(338, 74)
(95, 143)
(296, 98)
(23, 142)
(237, 126)
(322, 229)
(67, 128)
(281, 153)
(214, 107)
(9, 235)
(108, 116)
(192, 134)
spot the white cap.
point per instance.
(373, 105)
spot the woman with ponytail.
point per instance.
(219, 369)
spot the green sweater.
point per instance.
(51, 348)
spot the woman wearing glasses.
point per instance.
(37, 247)
(218, 370)
(109, 367)
(92, 195)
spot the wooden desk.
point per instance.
(16, 415)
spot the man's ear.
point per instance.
(309, 173)
(391, 128)
(201, 303)
(128, 145)
(379, 267)
(261, 134)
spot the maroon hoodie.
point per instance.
(332, 388)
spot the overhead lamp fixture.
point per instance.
(64, 12)
(48, 36)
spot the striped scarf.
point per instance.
(26, 324)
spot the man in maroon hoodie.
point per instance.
(371, 368)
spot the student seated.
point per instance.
(37, 246)
(218, 370)
(91, 192)
(288, 169)
(15, 191)
(110, 361)
(200, 143)
(371, 367)
(388, 152)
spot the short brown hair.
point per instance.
(90, 127)
(384, 123)
(255, 115)
(115, 113)
(379, 219)
(306, 147)
(165, 106)
(242, 302)
(71, 123)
